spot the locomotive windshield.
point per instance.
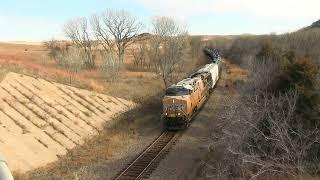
(177, 91)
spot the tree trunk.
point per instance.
(164, 78)
(121, 56)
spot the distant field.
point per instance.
(23, 42)
(42, 120)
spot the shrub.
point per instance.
(110, 66)
(72, 60)
(272, 128)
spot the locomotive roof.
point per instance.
(188, 83)
(206, 68)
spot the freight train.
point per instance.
(184, 99)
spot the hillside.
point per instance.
(41, 121)
(314, 25)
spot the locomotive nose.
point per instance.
(174, 107)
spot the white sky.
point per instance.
(36, 20)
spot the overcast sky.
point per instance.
(37, 20)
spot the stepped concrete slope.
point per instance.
(40, 120)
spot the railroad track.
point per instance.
(147, 161)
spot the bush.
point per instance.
(72, 60)
(272, 128)
(301, 74)
(238, 48)
(263, 133)
(110, 66)
(291, 71)
(263, 136)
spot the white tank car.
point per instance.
(213, 69)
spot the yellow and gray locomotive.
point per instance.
(183, 99)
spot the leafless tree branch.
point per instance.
(77, 30)
(116, 29)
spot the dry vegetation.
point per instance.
(270, 130)
(45, 120)
(267, 127)
(96, 153)
(87, 62)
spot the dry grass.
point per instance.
(235, 72)
(101, 148)
(3, 73)
(35, 63)
(17, 175)
(48, 118)
(141, 87)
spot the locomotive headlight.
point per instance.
(179, 114)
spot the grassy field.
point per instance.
(142, 87)
(32, 60)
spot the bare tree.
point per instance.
(53, 47)
(116, 29)
(168, 47)
(109, 66)
(56, 49)
(262, 134)
(77, 30)
(72, 60)
(140, 56)
(263, 74)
